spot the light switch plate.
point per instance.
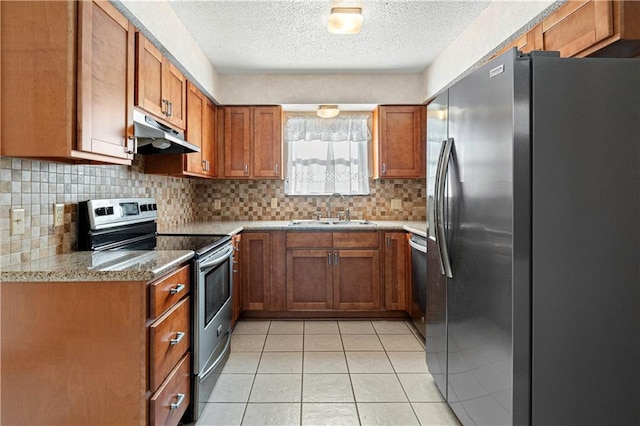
(217, 205)
(274, 203)
(58, 214)
(17, 221)
(396, 203)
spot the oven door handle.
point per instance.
(218, 260)
(214, 364)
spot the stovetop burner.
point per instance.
(200, 244)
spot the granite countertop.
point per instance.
(234, 227)
(138, 265)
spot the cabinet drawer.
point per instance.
(161, 410)
(356, 240)
(167, 344)
(166, 292)
(309, 240)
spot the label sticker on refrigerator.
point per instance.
(496, 71)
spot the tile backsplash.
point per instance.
(36, 185)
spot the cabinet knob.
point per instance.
(246, 169)
(384, 168)
(276, 169)
(179, 336)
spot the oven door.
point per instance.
(140, 236)
(212, 322)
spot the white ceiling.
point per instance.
(290, 36)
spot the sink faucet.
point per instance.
(329, 203)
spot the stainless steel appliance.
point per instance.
(419, 282)
(153, 137)
(113, 227)
(535, 202)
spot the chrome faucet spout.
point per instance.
(329, 202)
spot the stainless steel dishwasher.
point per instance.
(419, 281)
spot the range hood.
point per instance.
(153, 137)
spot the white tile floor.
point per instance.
(326, 373)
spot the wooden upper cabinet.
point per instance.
(200, 131)
(599, 28)
(267, 142)
(161, 88)
(252, 142)
(400, 142)
(577, 26)
(67, 81)
(237, 141)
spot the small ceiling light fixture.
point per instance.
(328, 111)
(345, 20)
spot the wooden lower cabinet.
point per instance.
(236, 280)
(333, 271)
(80, 352)
(356, 279)
(256, 275)
(397, 264)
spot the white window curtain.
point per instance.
(327, 155)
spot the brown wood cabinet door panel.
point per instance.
(356, 279)
(309, 279)
(237, 141)
(35, 63)
(176, 93)
(256, 263)
(395, 270)
(169, 290)
(177, 384)
(209, 146)
(66, 346)
(356, 240)
(105, 80)
(577, 26)
(163, 352)
(309, 240)
(267, 142)
(149, 77)
(196, 106)
(237, 277)
(401, 141)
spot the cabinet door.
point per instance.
(175, 92)
(105, 80)
(577, 26)
(237, 141)
(267, 142)
(356, 279)
(209, 139)
(309, 279)
(196, 106)
(237, 278)
(256, 271)
(149, 77)
(401, 142)
(395, 270)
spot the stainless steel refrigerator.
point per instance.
(534, 191)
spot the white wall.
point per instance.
(501, 21)
(322, 88)
(161, 25)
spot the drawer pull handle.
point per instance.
(177, 289)
(179, 337)
(178, 403)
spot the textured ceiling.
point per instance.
(290, 36)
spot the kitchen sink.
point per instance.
(330, 223)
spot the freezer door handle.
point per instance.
(436, 197)
(443, 168)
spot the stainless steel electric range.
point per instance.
(131, 224)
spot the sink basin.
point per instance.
(330, 223)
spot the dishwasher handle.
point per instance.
(419, 247)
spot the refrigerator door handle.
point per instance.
(440, 234)
(436, 198)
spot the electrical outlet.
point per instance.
(274, 203)
(396, 203)
(17, 221)
(217, 205)
(58, 215)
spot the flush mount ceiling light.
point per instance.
(328, 111)
(345, 20)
